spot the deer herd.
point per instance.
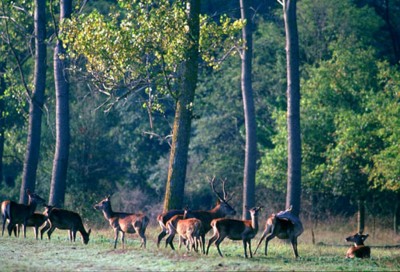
(191, 226)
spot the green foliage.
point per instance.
(143, 46)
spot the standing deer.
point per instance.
(189, 231)
(64, 220)
(162, 220)
(235, 229)
(123, 222)
(19, 213)
(283, 225)
(221, 209)
(358, 250)
(36, 220)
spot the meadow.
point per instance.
(325, 254)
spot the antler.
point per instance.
(223, 198)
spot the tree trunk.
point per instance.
(35, 103)
(396, 215)
(361, 215)
(249, 175)
(2, 117)
(293, 107)
(60, 162)
(175, 188)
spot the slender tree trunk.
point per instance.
(249, 175)
(2, 117)
(175, 188)
(361, 215)
(35, 103)
(60, 162)
(293, 107)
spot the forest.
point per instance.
(90, 96)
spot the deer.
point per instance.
(36, 220)
(358, 250)
(221, 209)
(17, 213)
(235, 229)
(162, 220)
(283, 225)
(64, 220)
(188, 229)
(123, 222)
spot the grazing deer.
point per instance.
(283, 225)
(359, 250)
(123, 222)
(36, 220)
(64, 220)
(19, 213)
(235, 229)
(221, 209)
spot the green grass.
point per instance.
(18, 254)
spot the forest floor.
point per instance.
(325, 254)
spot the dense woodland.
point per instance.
(120, 134)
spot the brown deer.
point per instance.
(188, 229)
(123, 222)
(162, 220)
(358, 250)
(64, 220)
(19, 213)
(235, 229)
(221, 209)
(283, 225)
(36, 220)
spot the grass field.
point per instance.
(18, 254)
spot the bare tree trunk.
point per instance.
(249, 175)
(35, 103)
(361, 215)
(60, 162)
(2, 117)
(175, 188)
(293, 107)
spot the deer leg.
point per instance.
(52, 228)
(44, 229)
(10, 228)
(218, 242)
(211, 241)
(36, 230)
(4, 224)
(123, 239)
(74, 231)
(169, 240)
(161, 235)
(294, 246)
(115, 238)
(269, 238)
(143, 236)
(260, 241)
(251, 254)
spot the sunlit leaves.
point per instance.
(143, 46)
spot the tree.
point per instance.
(60, 162)
(183, 113)
(249, 174)
(36, 101)
(293, 107)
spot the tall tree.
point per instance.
(293, 193)
(184, 113)
(2, 116)
(249, 175)
(60, 162)
(36, 101)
